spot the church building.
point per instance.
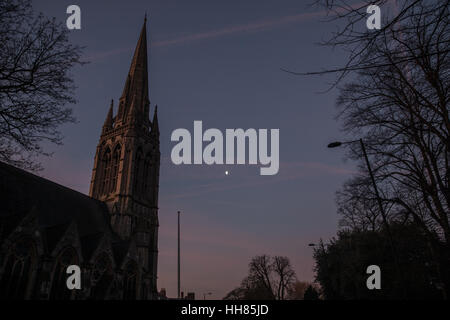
(112, 234)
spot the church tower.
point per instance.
(126, 166)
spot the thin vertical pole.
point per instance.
(383, 213)
(179, 296)
(380, 205)
(377, 194)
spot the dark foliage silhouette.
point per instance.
(394, 94)
(311, 294)
(341, 265)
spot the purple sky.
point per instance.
(219, 62)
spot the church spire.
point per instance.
(125, 175)
(136, 85)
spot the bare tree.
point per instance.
(260, 272)
(285, 275)
(352, 35)
(35, 84)
(268, 278)
(398, 101)
(357, 205)
(396, 98)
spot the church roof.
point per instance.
(8, 223)
(54, 205)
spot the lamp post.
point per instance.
(372, 178)
(179, 296)
(375, 188)
(377, 194)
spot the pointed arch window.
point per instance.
(115, 167)
(138, 164)
(129, 281)
(146, 174)
(17, 276)
(59, 290)
(106, 168)
(102, 277)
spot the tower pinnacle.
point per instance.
(155, 125)
(108, 125)
(126, 167)
(136, 85)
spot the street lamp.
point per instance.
(377, 194)
(363, 148)
(334, 144)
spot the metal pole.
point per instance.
(383, 214)
(179, 296)
(374, 185)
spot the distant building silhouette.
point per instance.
(163, 294)
(112, 235)
(190, 296)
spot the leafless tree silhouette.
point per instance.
(35, 84)
(394, 94)
(398, 102)
(268, 278)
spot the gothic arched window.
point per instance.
(59, 290)
(146, 174)
(129, 281)
(19, 266)
(101, 277)
(138, 171)
(115, 167)
(106, 167)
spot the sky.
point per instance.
(218, 62)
